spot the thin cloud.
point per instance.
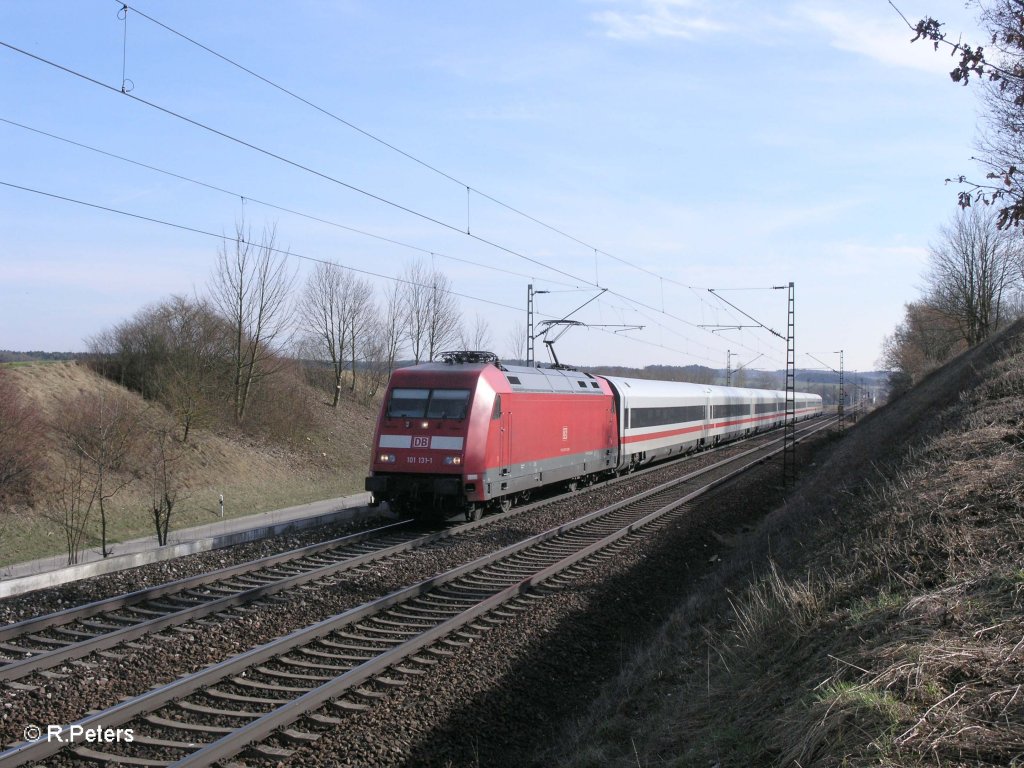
(647, 19)
(883, 37)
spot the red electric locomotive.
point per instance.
(470, 433)
(467, 433)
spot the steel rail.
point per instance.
(16, 669)
(36, 660)
(153, 700)
(258, 730)
(88, 610)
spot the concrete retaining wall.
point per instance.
(53, 578)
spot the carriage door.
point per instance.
(506, 443)
(504, 419)
(707, 416)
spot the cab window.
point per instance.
(428, 403)
(408, 403)
(448, 404)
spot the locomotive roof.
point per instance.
(522, 378)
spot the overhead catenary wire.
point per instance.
(373, 137)
(284, 209)
(685, 338)
(352, 187)
(770, 330)
(420, 249)
(293, 163)
(278, 251)
(222, 237)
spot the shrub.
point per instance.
(21, 444)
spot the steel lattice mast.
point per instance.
(789, 442)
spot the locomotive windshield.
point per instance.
(428, 403)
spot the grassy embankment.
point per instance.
(885, 623)
(254, 476)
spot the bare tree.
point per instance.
(385, 339)
(444, 316)
(515, 341)
(96, 434)
(393, 322)
(924, 340)
(176, 352)
(252, 289)
(195, 370)
(325, 316)
(21, 444)
(376, 370)
(336, 310)
(360, 324)
(416, 308)
(70, 503)
(431, 311)
(999, 66)
(972, 272)
(132, 352)
(477, 335)
(162, 456)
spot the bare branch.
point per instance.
(252, 288)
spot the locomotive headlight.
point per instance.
(424, 424)
(450, 460)
(386, 458)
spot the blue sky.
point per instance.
(682, 144)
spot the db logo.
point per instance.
(421, 442)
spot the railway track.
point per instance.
(348, 661)
(44, 642)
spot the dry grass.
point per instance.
(328, 461)
(886, 629)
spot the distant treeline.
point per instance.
(9, 356)
(771, 379)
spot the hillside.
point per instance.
(883, 624)
(328, 460)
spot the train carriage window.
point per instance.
(730, 409)
(655, 417)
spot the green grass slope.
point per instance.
(329, 459)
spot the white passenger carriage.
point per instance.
(663, 418)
